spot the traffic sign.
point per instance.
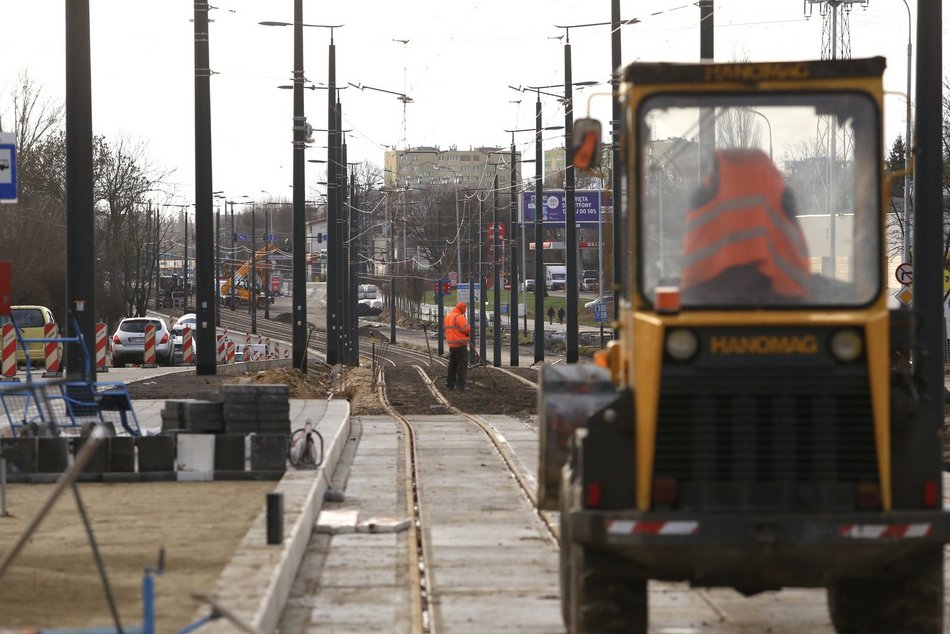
(8, 171)
(905, 273)
(905, 295)
(946, 280)
(600, 312)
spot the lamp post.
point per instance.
(767, 122)
(299, 311)
(907, 144)
(458, 257)
(538, 225)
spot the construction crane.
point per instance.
(238, 279)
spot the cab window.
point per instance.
(760, 200)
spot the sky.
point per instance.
(460, 59)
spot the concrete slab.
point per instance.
(256, 583)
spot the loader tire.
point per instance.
(606, 598)
(911, 604)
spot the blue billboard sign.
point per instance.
(554, 206)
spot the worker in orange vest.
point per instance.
(457, 333)
(743, 243)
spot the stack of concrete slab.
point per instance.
(259, 408)
(193, 415)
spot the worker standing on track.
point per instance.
(457, 333)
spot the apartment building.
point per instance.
(427, 165)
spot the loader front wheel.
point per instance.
(911, 604)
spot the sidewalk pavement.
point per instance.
(256, 582)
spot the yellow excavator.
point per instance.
(236, 287)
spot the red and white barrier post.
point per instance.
(230, 347)
(148, 359)
(101, 343)
(8, 356)
(222, 351)
(187, 347)
(51, 350)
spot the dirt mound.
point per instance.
(360, 392)
(314, 384)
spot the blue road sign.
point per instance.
(600, 312)
(8, 176)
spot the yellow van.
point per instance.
(30, 320)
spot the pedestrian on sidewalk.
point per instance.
(551, 315)
(560, 315)
(457, 332)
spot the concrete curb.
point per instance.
(256, 582)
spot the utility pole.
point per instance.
(928, 203)
(233, 258)
(299, 290)
(184, 262)
(439, 299)
(333, 230)
(217, 264)
(482, 317)
(158, 261)
(496, 274)
(539, 286)
(392, 271)
(513, 260)
(471, 279)
(267, 267)
(205, 304)
(616, 199)
(571, 229)
(252, 287)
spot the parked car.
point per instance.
(608, 299)
(128, 342)
(191, 321)
(589, 284)
(528, 286)
(367, 291)
(30, 320)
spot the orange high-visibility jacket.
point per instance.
(457, 329)
(743, 222)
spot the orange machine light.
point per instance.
(602, 359)
(667, 299)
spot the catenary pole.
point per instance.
(333, 234)
(80, 219)
(497, 257)
(571, 216)
(617, 170)
(206, 308)
(299, 289)
(539, 287)
(513, 259)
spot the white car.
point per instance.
(191, 321)
(128, 341)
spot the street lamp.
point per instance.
(907, 144)
(768, 123)
(538, 229)
(299, 312)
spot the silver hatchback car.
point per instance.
(128, 342)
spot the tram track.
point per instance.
(420, 560)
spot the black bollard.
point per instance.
(275, 518)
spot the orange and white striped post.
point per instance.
(187, 347)
(8, 353)
(148, 359)
(51, 350)
(231, 349)
(101, 343)
(276, 349)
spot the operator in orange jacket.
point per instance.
(457, 333)
(743, 242)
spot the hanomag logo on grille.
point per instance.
(763, 345)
